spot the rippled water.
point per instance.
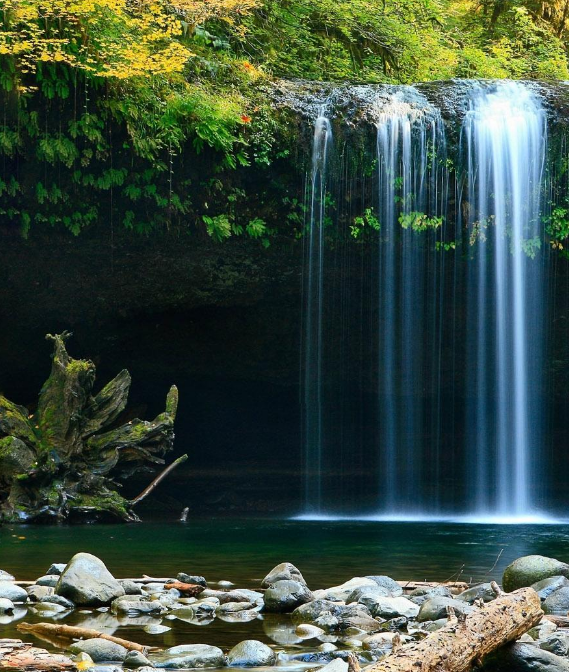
(243, 551)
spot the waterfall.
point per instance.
(410, 143)
(313, 329)
(436, 409)
(505, 135)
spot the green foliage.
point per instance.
(367, 220)
(419, 221)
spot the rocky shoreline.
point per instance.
(359, 622)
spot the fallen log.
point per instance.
(187, 589)
(466, 641)
(17, 655)
(75, 632)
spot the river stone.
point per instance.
(558, 643)
(48, 608)
(308, 631)
(483, 591)
(387, 582)
(364, 591)
(309, 612)
(189, 656)
(126, 606)
(87, 582)
(57, 599)
(48, 580)
(233, 607)
(521, 657)
(56, 569)
(392, 607)
(246, 595)
(382, 641)
(342, 592)
(6, 605)
(530, 569)
(135, 659)
(192, 578)
(545, 587)
(285, 596)
(420, 595)
(10, 591)
(542, 630)
(100, 650)
(286, 571)
(436, 608)
(155, 629)
(251, 653)
(130, 587)
(36, 593)
(557, 602)
(6, 576)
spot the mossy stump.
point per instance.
(65, 460)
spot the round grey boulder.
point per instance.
(100, 650)
(49, 580)
(436, 608)
(87, 582)
(530, 569)
(190, 656)
(130, 587)
(557, 602)
(420, 595)
(286, 571)
(558, 643)
(285, 596)
(251, 653)
(57, 599)
(545, 587)
(387, 582)
(56, 569)
(10, 591)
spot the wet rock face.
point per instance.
(87, 582)
(251, 653)
(285, 596)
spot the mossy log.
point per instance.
(465, 642)
(64, 460)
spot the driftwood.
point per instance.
(64, 460)
(157, 480)
(187, 589)
(466, 641)
(54, 630)
(453, 586)
(16, 655)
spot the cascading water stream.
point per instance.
(506, 135)
(481, 300)
(314, 299)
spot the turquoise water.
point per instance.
(243, 551)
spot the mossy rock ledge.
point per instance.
(65, 460)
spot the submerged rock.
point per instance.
(87, 582)
(286, 571)
(251, 653)
(285, 596)
(530, 569)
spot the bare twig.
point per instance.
(157, 480)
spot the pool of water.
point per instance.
(243, 551)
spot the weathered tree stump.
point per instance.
(64, 460)
(466, 641)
